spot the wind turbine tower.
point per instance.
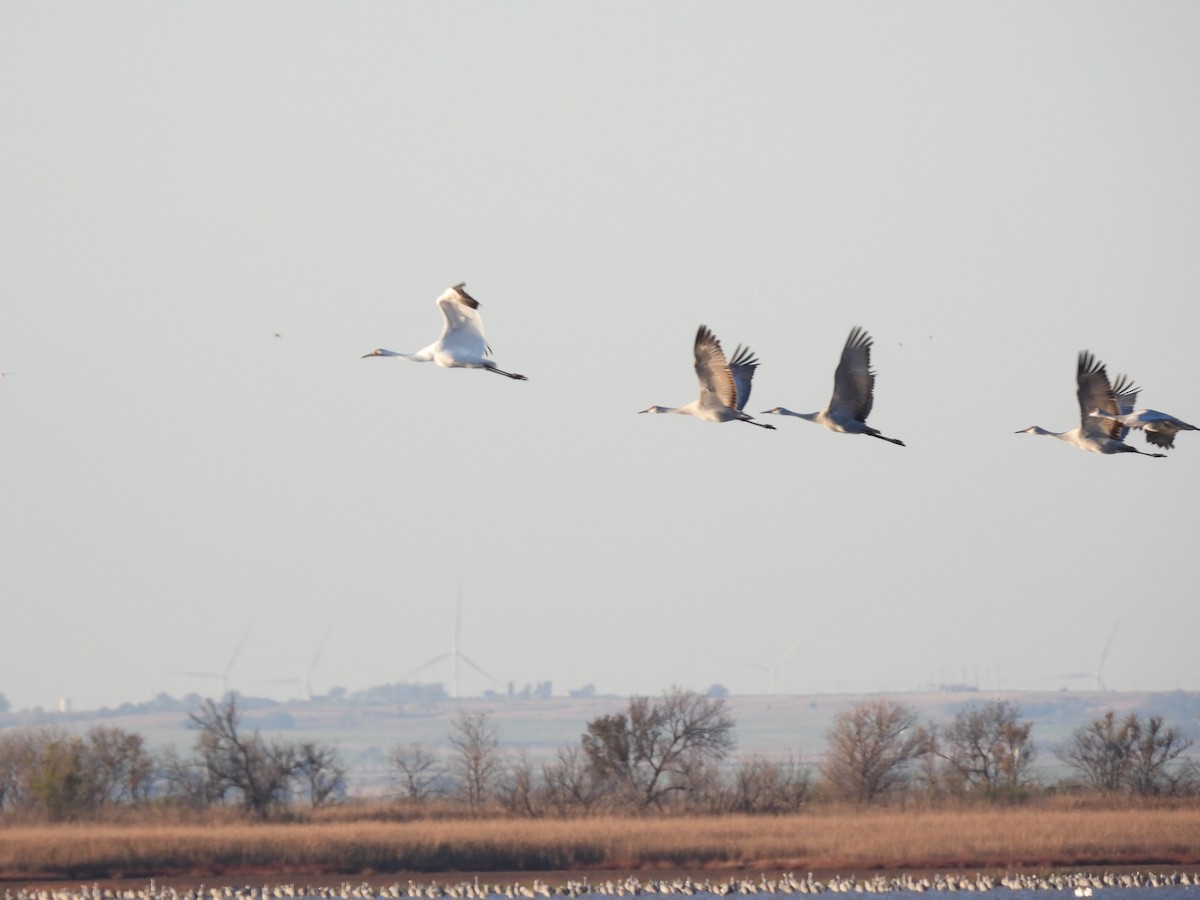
(455, 654)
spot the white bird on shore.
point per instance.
(853, 392)
(1098, 434)
(724, 386)
(1159, 427)
(461, 345)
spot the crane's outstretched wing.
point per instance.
(463, 333)
(853, 381)
(1125, 394)
(716, 381)
(742, 367)
(1095, 392)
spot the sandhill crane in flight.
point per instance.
(1159, 427)
(1098, 434)
(724, 386)
(461, 345)
(853, 392)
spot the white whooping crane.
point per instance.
(461, 345)
(1159, 427)
(724, 386)
(853, 392)
(1098, 434)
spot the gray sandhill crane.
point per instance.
(1098, 434)
(461, 345)
(853, 392)
(724, 386)
(1159, 427)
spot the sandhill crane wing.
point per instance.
(742, 367)
(464, 328)
(1095, 392)
(853, 381)
(1164, 439)
(1125, 394)
(716, 381)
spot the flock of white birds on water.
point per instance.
(1106, 409)
(1081, 884)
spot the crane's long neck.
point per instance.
(810, 417)
(419, 356)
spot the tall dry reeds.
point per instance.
(987, 838)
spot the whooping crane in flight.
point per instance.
(1160, 429)
(1098, 434)
(724, 386)
(461, 345)
(853, 392)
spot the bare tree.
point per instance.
(320, 772)
(259, 771)
(773, 786)
(1132, 755)
(476, 760)
(1099, 752)
(568, 783)
(987, 748)
(517, 787)
(186, 780)
(869, 749)
(1153, 749)
(124, 770)
(419, 774)
(659, 748)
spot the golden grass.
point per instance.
(828, 840)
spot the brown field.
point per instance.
(822, 841)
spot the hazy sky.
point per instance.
(987, 188)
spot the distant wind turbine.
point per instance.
(1097, 675)
(455, 655)
(224, 676)
(306, 681)
(772, 670)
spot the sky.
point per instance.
(987, 188)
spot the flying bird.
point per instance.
(724, 386)
(461, 345)
(1159, 427)
(853, 392)
(1104, 433)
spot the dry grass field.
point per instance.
(820, 841)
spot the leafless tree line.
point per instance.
(52, 773)
(673, 753)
